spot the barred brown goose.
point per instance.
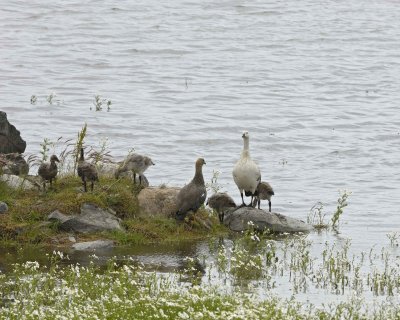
(193, 195)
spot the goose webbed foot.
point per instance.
(179, 216)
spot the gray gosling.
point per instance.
(220, 201)
(264, 192)
(87, 172)
(135, 163)
(48, 171)
(193, 195)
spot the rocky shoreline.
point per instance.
(101, 211)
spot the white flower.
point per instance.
(183, 315)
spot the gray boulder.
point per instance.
(58, 216)
(10, 137)
(237, 219)
(93, 245)
(91, 219)
(23, 183)
(161, 201)
(3, 207)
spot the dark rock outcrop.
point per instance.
(238, 219)
(91, 219)
(10, 137)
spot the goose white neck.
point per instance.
(245, 151)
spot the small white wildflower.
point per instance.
(183, 315)
(254, 237)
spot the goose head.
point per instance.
(148, 161)
(200, 162)
(54, 158)
(245, 135)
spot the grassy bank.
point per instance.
(26, 220)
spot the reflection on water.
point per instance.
(162, 257)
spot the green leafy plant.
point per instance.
(341, 204)
(33, 99)
(45, 148)
(50, 98)
(99, 102)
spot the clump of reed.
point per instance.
(317, 216)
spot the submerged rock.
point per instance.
(158, 201)
(10, 137)
(93, 245)
(91, 219)
(3, 207)
(238, 219)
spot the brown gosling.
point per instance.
(135, 163)
(87, 172)
(265, 192)
(220, 201)
(48, 171)
(193, 195)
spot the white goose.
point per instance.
(246, 173)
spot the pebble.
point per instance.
(3, 207)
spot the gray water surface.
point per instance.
(315, 83)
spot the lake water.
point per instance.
(315, 83)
